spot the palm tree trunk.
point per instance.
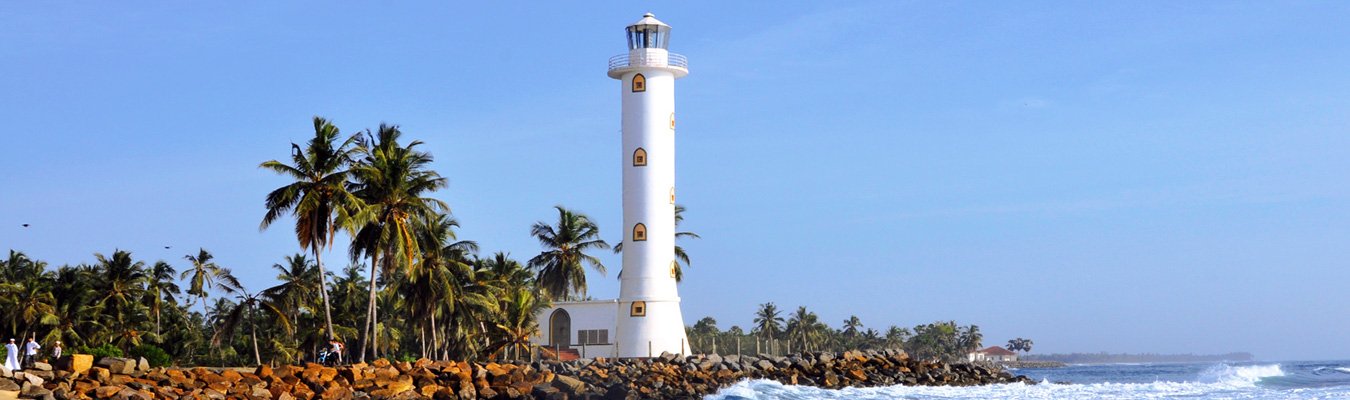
(323, 292)
(370, 313)
(435, 344)
(253, 326)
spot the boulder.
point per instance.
(42, 366)
(77, 363)
(116, 365)
(37, 392)
(5, 372)
(571, 386)
(9, 395)
(33, 379)
(8, 385)
(106, 392)
(142, 364)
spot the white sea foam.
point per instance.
(1240, 376)
(1218, 382)
(1343, 369)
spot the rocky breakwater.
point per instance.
(666, 377)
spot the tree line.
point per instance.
(409, 286)
(802, 330)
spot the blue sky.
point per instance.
(1133, 177)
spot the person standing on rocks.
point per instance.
(337, 351)
(56, 350)
(30, 352)
(12, 356)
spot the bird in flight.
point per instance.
(25, 225)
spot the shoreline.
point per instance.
(666, 377)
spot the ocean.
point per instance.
(1247, 380)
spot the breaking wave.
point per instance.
(1269, 381)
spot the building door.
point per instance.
(560, 329)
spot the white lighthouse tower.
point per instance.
(652, 323)
(645, 320)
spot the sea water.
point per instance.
(1248, 380)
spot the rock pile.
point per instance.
(666, 377)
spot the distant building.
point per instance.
(992, 353)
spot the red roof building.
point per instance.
(992, 353)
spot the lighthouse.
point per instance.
(652, 323)
(645, 320)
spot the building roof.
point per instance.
(649, 19)
(996, 351)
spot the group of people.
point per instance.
(30, 354)
(331, 355)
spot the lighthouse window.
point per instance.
(639, 83)
(640, 233)
(674, 269)
(639, 309)
(639, 157)
(672, 195)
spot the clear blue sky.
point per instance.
(1138, 177)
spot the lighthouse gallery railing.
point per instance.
(648, 60)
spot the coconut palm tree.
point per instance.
(970, 339)
(852, 326)
(317, 197)
(244, 310)
(76, 312)
(706, 329)
(160, 286)
(299, 283)
(393, 181)
(768, 323)
(517, 323)
(204, 273)
(805, 328)
(560, 271)
(680, 254)
(896, 337)
(121, 281)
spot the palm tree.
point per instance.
(317, 198)
(970, 339)
(204, 274)
(161, 286)
(896, 337)
(706, 329)
(679, 251)
(122, 284)
(561, 274)
(502, 268)
(768, 322)
(517, 322)
(392, 180)
(298, 279)
(852, 326)
(1020, 344)
(805, 328)
(78, 321)
(248, 302)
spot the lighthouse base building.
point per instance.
(645, 321)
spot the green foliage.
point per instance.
(106, 350)
(153, 354)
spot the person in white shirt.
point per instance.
(30, 352)
(337, 350)
(12, 356)
(56, 350)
